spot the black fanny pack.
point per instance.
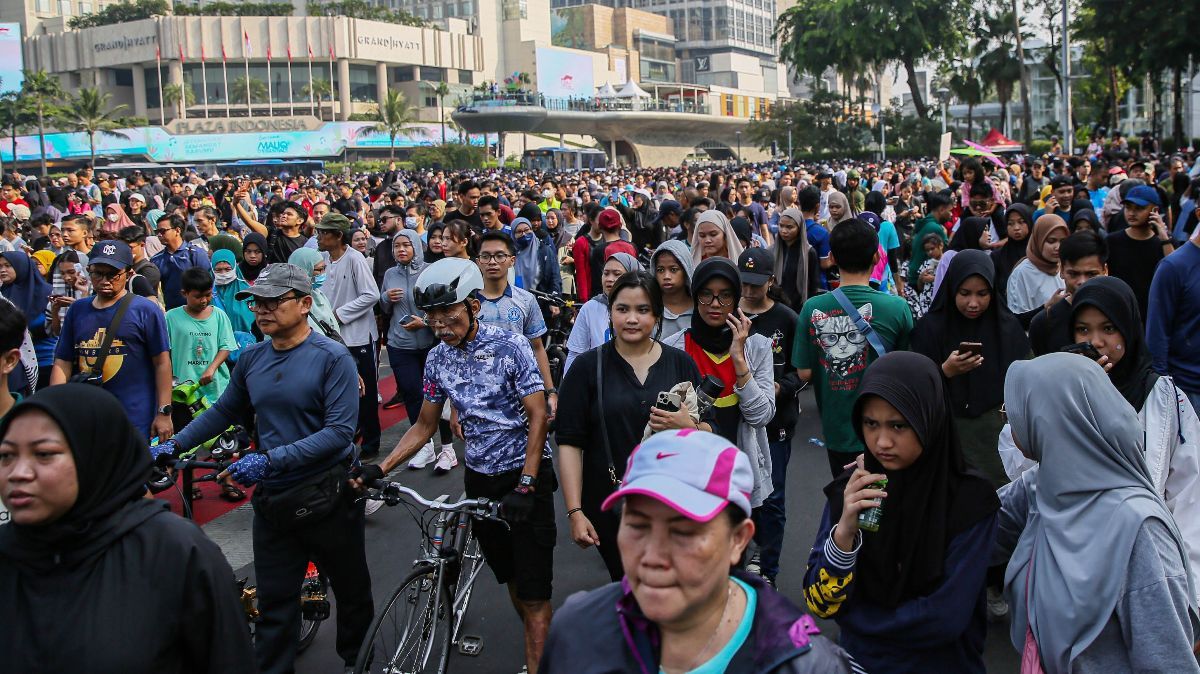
(311, 500)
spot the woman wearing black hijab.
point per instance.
(967, 309)
(909, 596)
(253, 259)
(969, 233)
(1018, 221)
(94, 577)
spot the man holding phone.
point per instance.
(1062, 193)
(1134, 253)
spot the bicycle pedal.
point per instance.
(470, 645)
(314, 609)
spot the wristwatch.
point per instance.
(551, 392)
(526, 484)
(164, 410)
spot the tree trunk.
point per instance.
(92, 145)
(1004, 116)
(1177, 107)
(910, 70)
(970, 118)
(42, 137)
(1114, 99)
(392, 148)
(442, 117)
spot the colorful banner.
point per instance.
(564, 74)
(12, 58)
(153, 143)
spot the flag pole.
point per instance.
(291, 93)
(331, 105)
(225, 74)
(204, 76)
(162, 107)
(270, 92)
(246, 59)
(312, 96)
(183, 80)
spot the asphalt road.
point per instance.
(393, 539)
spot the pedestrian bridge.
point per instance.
(650, 132)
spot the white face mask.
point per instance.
(410, 223)
(113, 217)
(225, 277)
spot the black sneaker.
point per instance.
(396, 401)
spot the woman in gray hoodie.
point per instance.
(672, 266)
(408, 338)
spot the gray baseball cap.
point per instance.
(275, 280)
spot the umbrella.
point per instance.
(985, 152)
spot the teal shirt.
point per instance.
(720, 662)
(194, 345)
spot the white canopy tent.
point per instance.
(632, 90)
(606, 91)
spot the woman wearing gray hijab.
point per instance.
(672, 266)
(592, 327)
(797, 267)
(1098, 579)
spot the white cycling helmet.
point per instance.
(447, 282)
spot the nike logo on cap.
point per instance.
(662, 455)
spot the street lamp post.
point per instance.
(943, 98)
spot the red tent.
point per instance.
(998, 142)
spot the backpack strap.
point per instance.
(861, 323)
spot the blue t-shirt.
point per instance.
(172, 265)
(485, 382)
(889, 240)
(818, 238)
(129, 368)
(516, 311)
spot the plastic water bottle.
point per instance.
(868, 520)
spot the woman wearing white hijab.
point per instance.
(1098, 579)
(713, 236)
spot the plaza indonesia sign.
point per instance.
(192, 127)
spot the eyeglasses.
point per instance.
(723, 299)
(489, 258)
(105, 275)
(831, 339)
(268, 305)
(443, 322)
(163, 230)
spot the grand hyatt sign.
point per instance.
(191, 127)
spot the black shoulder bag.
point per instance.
(95, 376)
(612, 470)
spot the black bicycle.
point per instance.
(558, 330)
(423, 618)
(314, 589)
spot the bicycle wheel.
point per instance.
(314, 601)
(410, 634)
(470, 563)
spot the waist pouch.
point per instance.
(311, 500)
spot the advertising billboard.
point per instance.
(564, 74)
(12, 58)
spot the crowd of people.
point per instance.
(1003, 358)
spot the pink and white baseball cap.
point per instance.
(693, 472)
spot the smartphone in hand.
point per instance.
(973, 348)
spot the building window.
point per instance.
(85, 8)
(405, 74)
(514, 9)
(64, 7)
(466, 77)
(433, 75)
(431, 101)
(43, 6)
(728, 104)
(123, 77)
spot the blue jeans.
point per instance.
(1194, 396)
(771, 515)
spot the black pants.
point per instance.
(337, 545)
(368, 404)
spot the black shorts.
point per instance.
(523, 555)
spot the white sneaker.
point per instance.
(423, 457)
(373, 505)
(996, 606)
(446, 460)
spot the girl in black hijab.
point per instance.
(1132, 373)
(968, 234)
(94, 577)
(1018, 221)
(909, 596)
(967, 309)
(433, 239)
(253, 261)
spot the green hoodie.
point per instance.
(924, 227)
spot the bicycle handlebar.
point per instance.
(549, 298)
(391, 493)
(161, 480)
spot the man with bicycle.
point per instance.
(494, 383)
(304, 389)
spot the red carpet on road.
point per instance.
(212, 506)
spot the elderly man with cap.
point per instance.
(685, 523)
(303, 388)
(351, 289)
(118, 340)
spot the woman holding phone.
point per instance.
(635, 368)
(974, 337)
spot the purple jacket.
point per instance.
(604, 632)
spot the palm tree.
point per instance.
(966, 86)
(13, 116)
(395, 116)
(42, 92)
(318, 89)
(998, 61)
(441, 91)
(258, 90)
(181, 96)
(90, 113)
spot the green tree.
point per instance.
(964, 83)
(42, 92)
(395, 117)
(236, 9)
(813, 35)
(361, 9)
(181, 96)
(89, 111)
(998, 60)
(121, 12)
(820, 124)
(258, 91)
(441, 91)
(452, 156)
(320, 90)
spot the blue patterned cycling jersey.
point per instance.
(516, 310)
(486, 382)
